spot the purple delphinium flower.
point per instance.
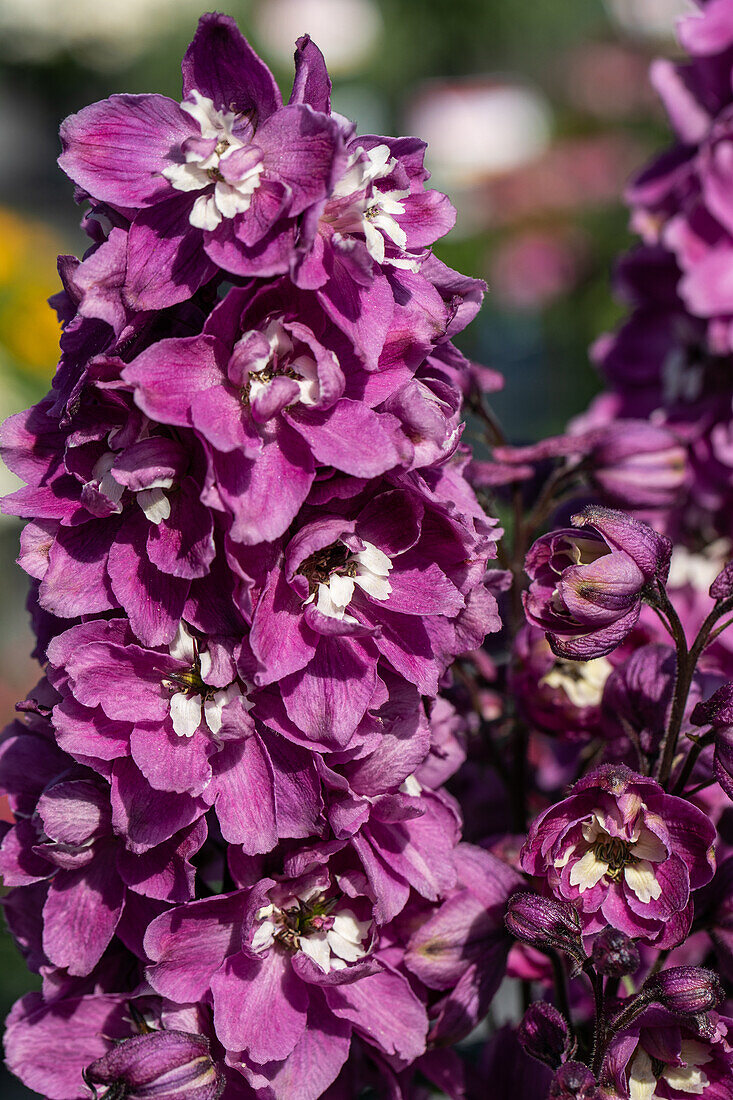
(587, 585)
(353, 587)
(558, 696)
(307, 945)
(183, 715)
(273, 401)
(625, 854)
(673, 1057)
(115, 510)
(215, 181)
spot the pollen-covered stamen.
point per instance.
(220, 157)
(193, 700)
(315, 925)
(615, 852)
(335, 571)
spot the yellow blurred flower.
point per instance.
(29, 331)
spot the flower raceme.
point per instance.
(254, 555)
(586, 586)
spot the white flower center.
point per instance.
(282, 361)
(332, 938)
(217, 157)
(608, 853)
(688, 1078)
(582, 681)
(335, 572)
(196, 701)
(357, 207)
(152, 499)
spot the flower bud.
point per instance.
(615, 954)
(169, 1065)
(687, 990)
(544, 922)
(573, 1081)
(586, 587)
(544, 1034)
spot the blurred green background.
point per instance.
(536, 112)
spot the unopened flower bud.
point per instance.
(586, 586)
(544, 1034)
(615, 954)
(573, 1081)
(544, 922)
(170, 1065)
(687, 990)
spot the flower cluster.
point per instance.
(281, 825)
(254, 554)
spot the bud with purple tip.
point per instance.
(160, 1065)
(544, 1034)
(573, 1081)
(687, 990)
(587, 586)
(545, 923)
(615, 954)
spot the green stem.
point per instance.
(699, 744)
(599, 1024)
(683, 679)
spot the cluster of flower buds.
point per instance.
(254, 554)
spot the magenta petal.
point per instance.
(222, 65)
(242, 794)
(165, 873)
(246, 487)
(166, 262)
(280, 639)
(316, 1059)
(81, 914)
(260, 1005)
(42, 1046)
(312, 84)
(144, 816)
(350, 437)
(168, 375)
(219, 416)
(299, 147)
(183, 544)
(169, 762)
(328, 699)
(76, 581)
(154, 601)
(188, 945)
(117, 149)
(422, 589)
(385, 1010)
